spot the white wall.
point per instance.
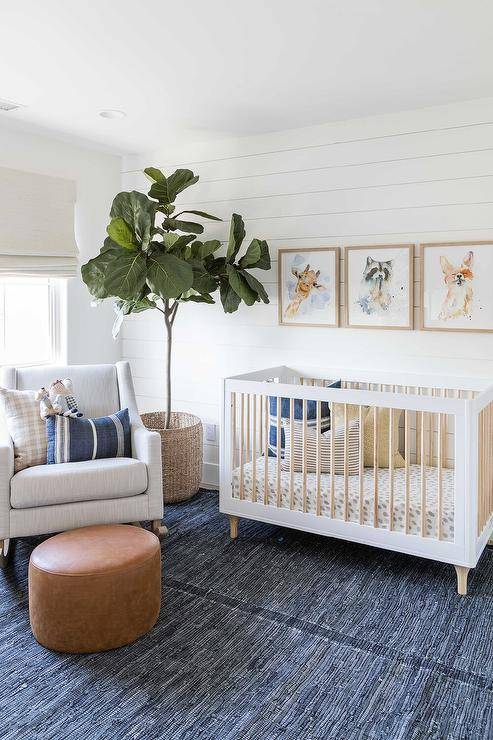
(98, 179)
(415, 176)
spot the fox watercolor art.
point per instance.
(459, 281)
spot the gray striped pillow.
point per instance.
(325, 449)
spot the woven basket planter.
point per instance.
(181, 451)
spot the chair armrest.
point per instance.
(146, 447)
(6, 473)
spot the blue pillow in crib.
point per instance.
(311, 417)
(75, 440)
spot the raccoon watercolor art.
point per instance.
(376, 287)
(459, 281)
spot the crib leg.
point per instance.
(233, 526)
(462, 573)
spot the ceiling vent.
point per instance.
(7, 105)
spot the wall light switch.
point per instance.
(210, 432)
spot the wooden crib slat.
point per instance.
(361, 462)
(431, 433)
(406, 470)
(291, 454)
(318, 452)
(266, 451)
(422, 455)
(346, 467)
(242, 445)
(254, 448)
(439, 476)
(480, 471)
(233, 430)
(278, 451)
(332, 460)
(248, 427)
(260, 424)
(375, 466)
(303, 457)
(391, 468)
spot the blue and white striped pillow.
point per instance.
(74, 440)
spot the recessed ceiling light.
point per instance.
(8, 105)
(112, 114)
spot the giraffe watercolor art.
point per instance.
(309, 286)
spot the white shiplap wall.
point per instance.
(410, 177)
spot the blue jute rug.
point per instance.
(279, 634)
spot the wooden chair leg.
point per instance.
(6, 549)
(233, 526)
(462, 573)
(159, 529)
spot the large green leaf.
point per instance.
(198, 298)
(252, 255)
(121, 233)
(240, 286)
(236, 236)
(94, 273)
(169, 276)
(159, 191)
(202, 214)
(154, 174)
(179, 181)
(203, 282)
(264, 262)
(138, 212)
(175, 243)
(216, 266)
(125, 273)
(176, 224)
(229, 298)
(201, 250)
(256, 285)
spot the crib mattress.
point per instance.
(431, 507)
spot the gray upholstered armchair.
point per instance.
(52, 498)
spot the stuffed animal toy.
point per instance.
(62, 398)
(45, 406)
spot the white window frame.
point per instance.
(57, 333)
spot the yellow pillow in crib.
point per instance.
(382, 431)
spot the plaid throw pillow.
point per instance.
(25, 426)
(74, 440)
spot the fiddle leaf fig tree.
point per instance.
(152, 259)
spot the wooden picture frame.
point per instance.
(404, 311)
(456, 255)
(309, 258)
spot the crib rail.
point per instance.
(485, 467)
(383, 465)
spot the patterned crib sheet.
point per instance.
(431, 476)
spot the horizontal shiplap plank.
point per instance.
(373, 151)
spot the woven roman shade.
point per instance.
(36, 225)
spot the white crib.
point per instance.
(438, 505)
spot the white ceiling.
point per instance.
(202, 68)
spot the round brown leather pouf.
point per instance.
(94, 588)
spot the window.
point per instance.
(29, 321)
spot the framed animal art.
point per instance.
(456, 293)
(379, 286)
(308, 286)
